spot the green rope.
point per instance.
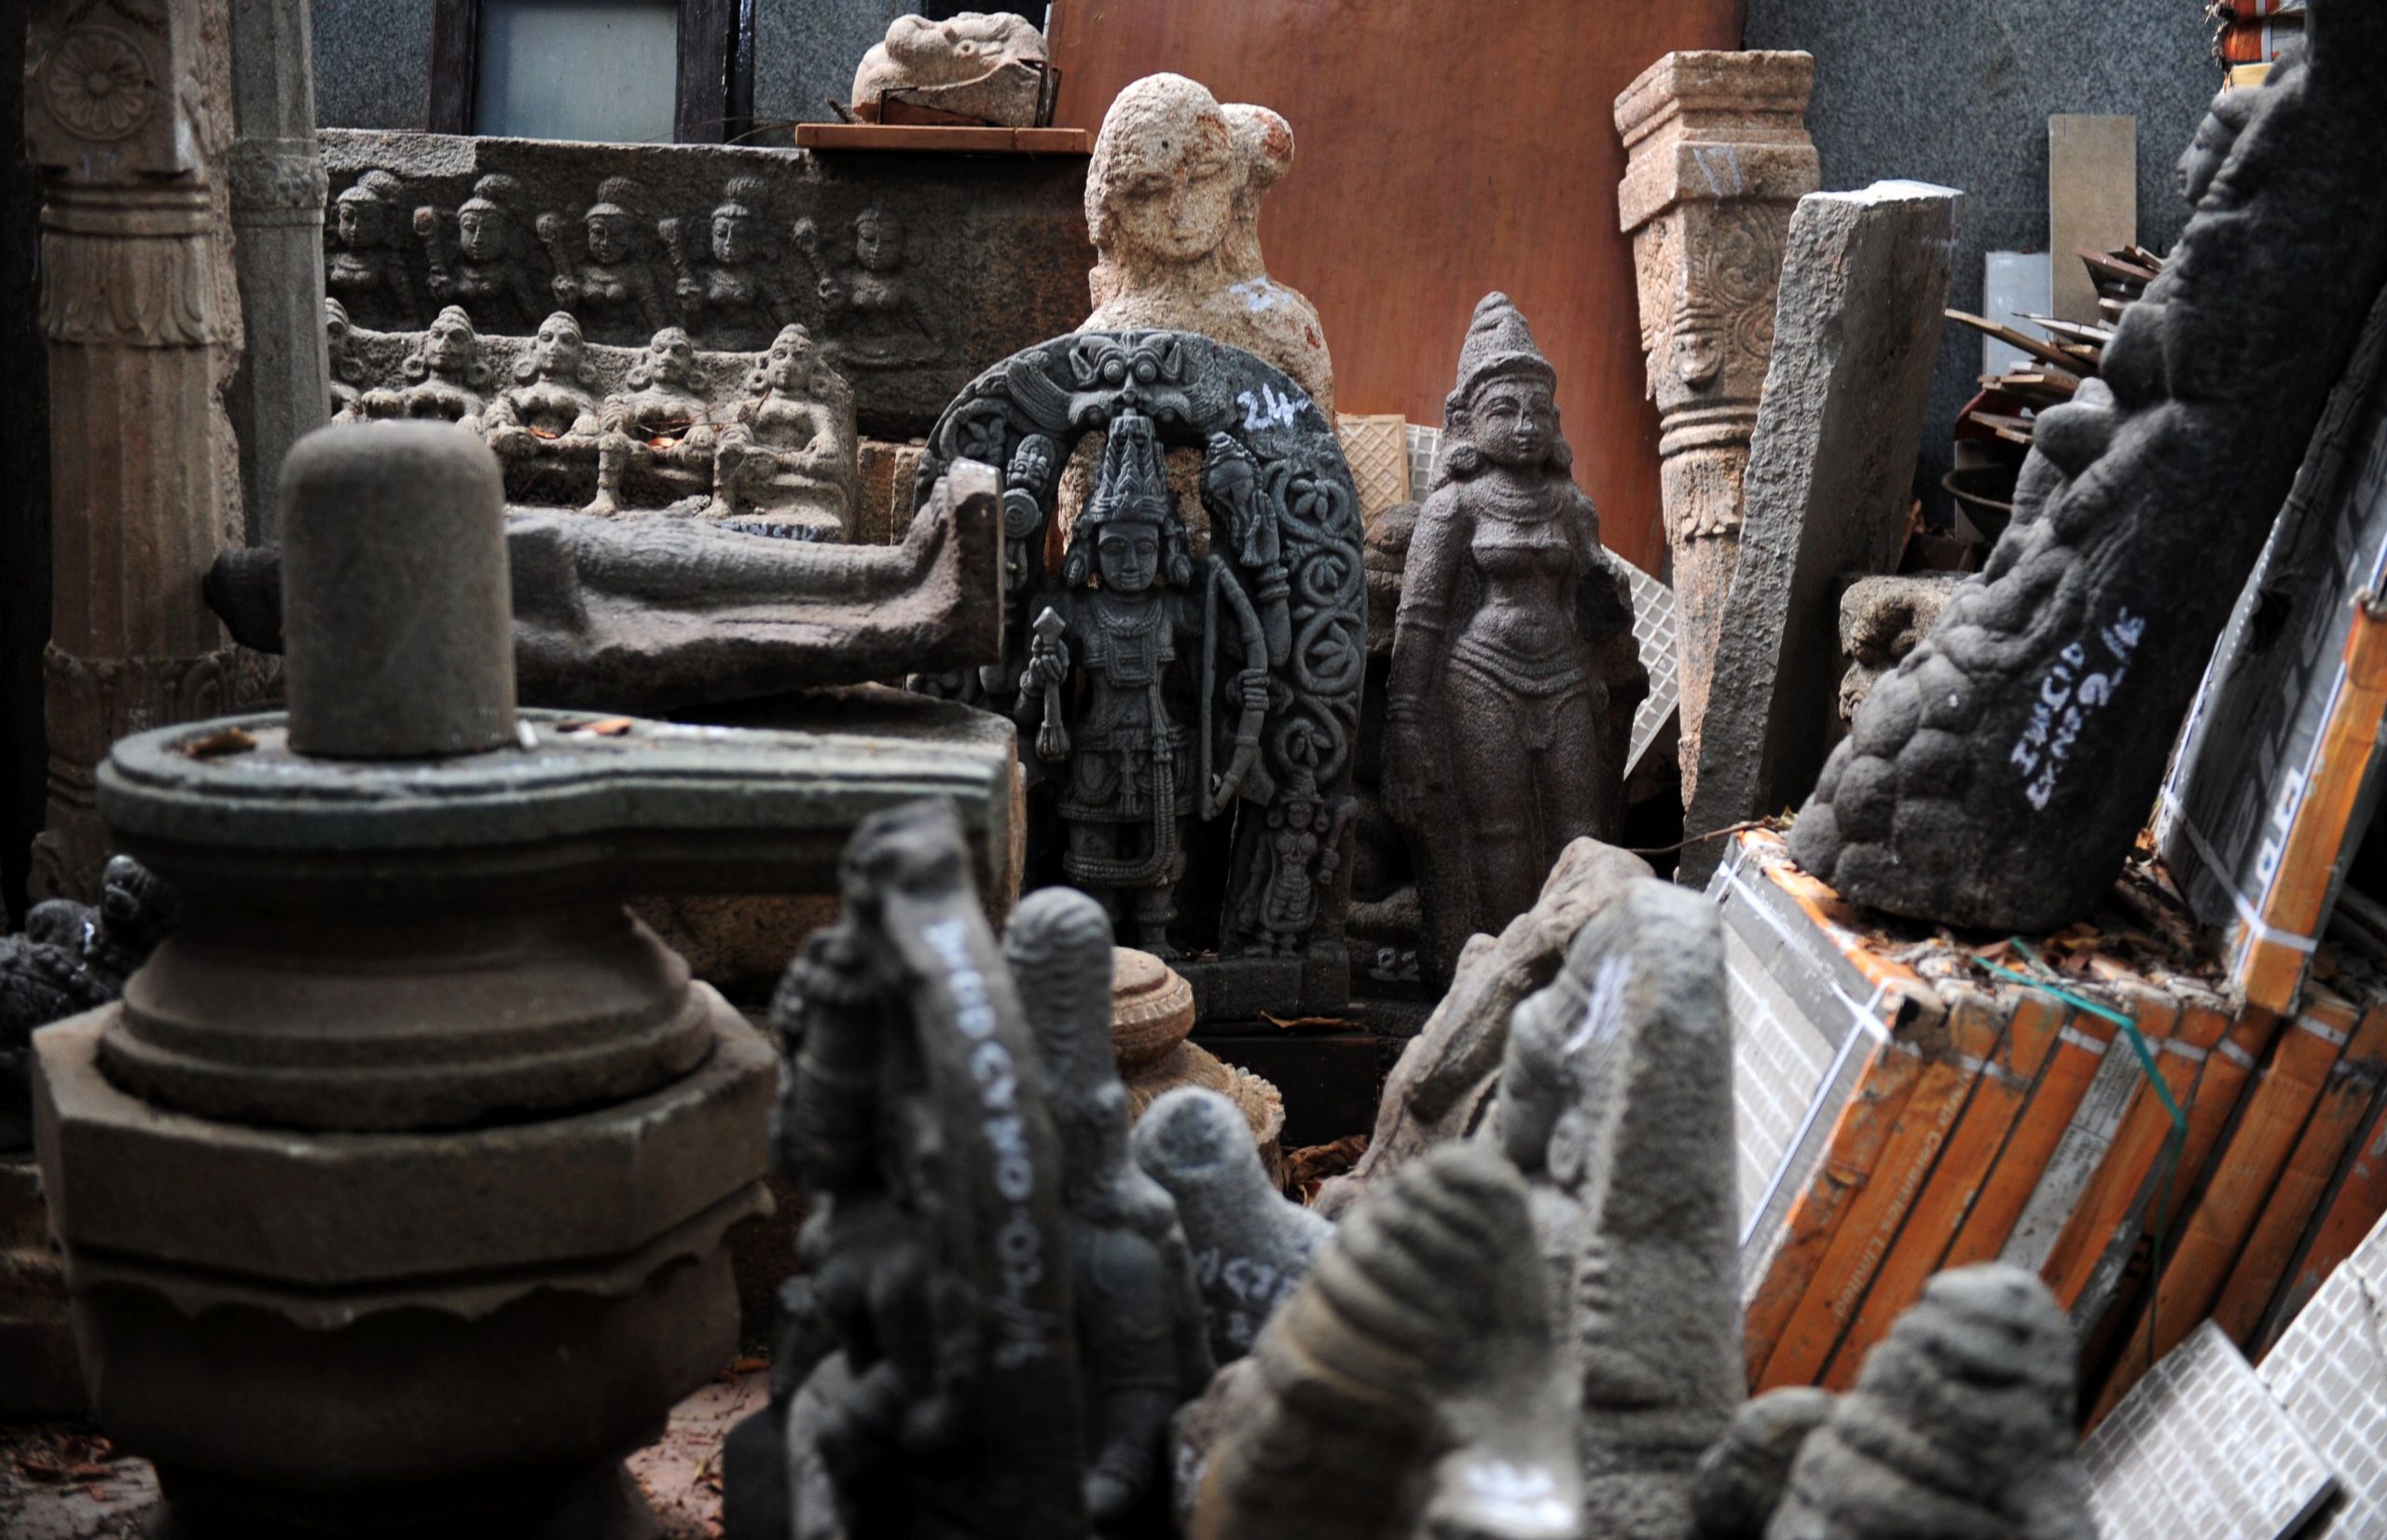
(2174, 1143)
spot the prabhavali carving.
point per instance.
(1160, 690)
(908, 284)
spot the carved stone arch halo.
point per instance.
(1286, 538)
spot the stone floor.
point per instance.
(68, 1483)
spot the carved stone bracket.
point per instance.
(1716, 157)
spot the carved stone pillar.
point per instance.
(128, 113)
(278, 188)
(1717, 157)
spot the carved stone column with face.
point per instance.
(128, 118)
(1717, 158)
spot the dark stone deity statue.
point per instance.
(1184, 716)
(363, 265)
(72, 957)
(1514, 675)
(488, 268)
(726, 271)
(997, 1316)
(1999, 776)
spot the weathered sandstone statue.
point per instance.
(446, 378)
(1152, 1014)
(1443, 1084)
(1514, 674)
(1960, 1427)
(1172, 200)
(1250, 1245)
(1999, 776)
(784, 462)
(977, 66)
(1411, 1386)
(1717, 157)
(543, 428)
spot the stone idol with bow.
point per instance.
(1185, 668)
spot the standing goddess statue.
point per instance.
(1514, 674)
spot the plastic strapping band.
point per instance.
(2247, 914)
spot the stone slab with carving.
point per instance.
(913, 271)
(1883, 619)
(1999, 776)
(974, 66)
(1828, 486)
(1180, 713)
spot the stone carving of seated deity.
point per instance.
(867, 313)
(729, 288)
(608, 284)
(445, 373)
(784, 464)
(487, 271)
(546, 424)
(661, 427)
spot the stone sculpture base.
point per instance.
(1151, 1015)
(36, 1340)
(428, 1324)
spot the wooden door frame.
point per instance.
(714, 96)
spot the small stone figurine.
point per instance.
(447, 377)
(1514, 674)
(729, 286)
(663, 424)
(783, 465)
(546, 423)
(609, 284)
(867, 313)
(489, 270)
(72, 957)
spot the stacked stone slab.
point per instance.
(392, 1192)
(1829, 484)
(1716, 156)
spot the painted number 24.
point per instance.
(1268, 409)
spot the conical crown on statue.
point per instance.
(1498, 343)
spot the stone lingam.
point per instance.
(392, 1192)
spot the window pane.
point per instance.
(577, 69)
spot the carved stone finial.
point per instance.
(1715, 159)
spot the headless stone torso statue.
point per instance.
(1130, 607)
(1514, 676)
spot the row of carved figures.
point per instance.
(777, 459)
(625, 273)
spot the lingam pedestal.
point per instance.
(392, 1192)
(1151, 1016)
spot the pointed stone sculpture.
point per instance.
(1412, 1384)
(1616, 1101)
(999, 1314)
(128, 118)
(1250, 1245)
(1960, 1427)
(1514, 673)
(1999, 776)
(1716, 156)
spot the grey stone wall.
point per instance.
(1959, 92)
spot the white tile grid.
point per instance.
(2329, 1370)
(2199, 1451)
(1779, 1061)
(1653, 609)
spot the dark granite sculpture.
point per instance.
(363, 267)
(998, 1318)
(1412, 1384)
(72, 957)
(1998, 777)
(488, 269)
(1616, 1101)
(1960, 1427)
(1514, 673)
(1158, 691)
(1252, 1247)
